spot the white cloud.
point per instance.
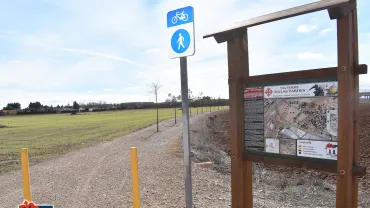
(306, 28)
(22, 73)
(105, 38)
(325, 31)
(152, 50)
(92, 53)
(107, 89)
(41, 74)
(43, 38)
(97, 54)
(364, 52)
(309, 56)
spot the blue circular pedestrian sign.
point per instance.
(180, 41)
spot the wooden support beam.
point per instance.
(358, 171)
(346, 109)
(360, 69)
(327, 167)
(356, 98)
(304, 74)
(241, 171)
(341, 11)
(286, 76)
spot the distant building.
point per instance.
(9, 112)
(94, 109)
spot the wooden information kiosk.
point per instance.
(303, 118)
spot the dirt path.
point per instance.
(99, 176)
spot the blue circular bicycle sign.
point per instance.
(180, 41)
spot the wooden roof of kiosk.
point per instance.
(346, 72)
(336, 9)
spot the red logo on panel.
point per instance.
(268, 92)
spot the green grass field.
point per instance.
(47, 136)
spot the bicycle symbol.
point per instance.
(181, 16)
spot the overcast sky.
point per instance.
(58, 51)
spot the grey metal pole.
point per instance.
(186, 131)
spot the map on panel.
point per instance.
(298, 120)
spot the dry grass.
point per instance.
(175, 145)
(48, 136)
(206, 144)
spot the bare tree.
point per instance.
(200, 95)
(197, 103)
(190, 95)
(154, 89)
(172, 100)
(102, 104)
(218, 102)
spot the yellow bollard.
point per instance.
(135, 177)
(26, 175)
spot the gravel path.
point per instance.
(99, 176)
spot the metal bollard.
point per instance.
(135, 178)
(26, 175)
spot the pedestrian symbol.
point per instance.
(180, 41)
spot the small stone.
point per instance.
(205, 165)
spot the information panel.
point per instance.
(299, 120)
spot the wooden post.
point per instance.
(356, 159)
(241, 170)
(346, 111)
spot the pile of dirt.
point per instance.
(365, 142)
(218, 135)
(209, 145)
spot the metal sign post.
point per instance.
(180, 24)
(186, 130)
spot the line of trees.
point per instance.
(199, 102)
(172, 101)
(12, 106)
